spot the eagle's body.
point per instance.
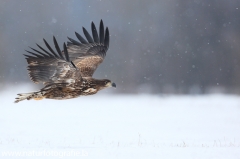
(68, 73)
(88, 86)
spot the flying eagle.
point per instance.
(68, 74)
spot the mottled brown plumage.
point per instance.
(68, 74)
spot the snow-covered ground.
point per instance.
(121, 126)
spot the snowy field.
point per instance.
(108, 126)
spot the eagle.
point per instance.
(68, 73)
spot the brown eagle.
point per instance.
(68, 74)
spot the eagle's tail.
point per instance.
(34, 95)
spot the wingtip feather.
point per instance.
(66, 52)
(107, 38)
(101, 32)
(87, 35)
(80, 38)
(94, 33)
(57, 47)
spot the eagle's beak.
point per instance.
(114, 85)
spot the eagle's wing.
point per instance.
(87, 55)
(50, 67)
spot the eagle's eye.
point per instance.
(106, 82)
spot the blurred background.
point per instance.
(156, 46)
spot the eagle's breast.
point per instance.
(90, 90)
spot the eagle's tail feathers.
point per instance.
(28, 96)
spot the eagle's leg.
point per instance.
(38, 98)
(34, 95)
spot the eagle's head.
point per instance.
(105, 83)
(108, 83)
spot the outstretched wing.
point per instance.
(88, 54)
(51, 67)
